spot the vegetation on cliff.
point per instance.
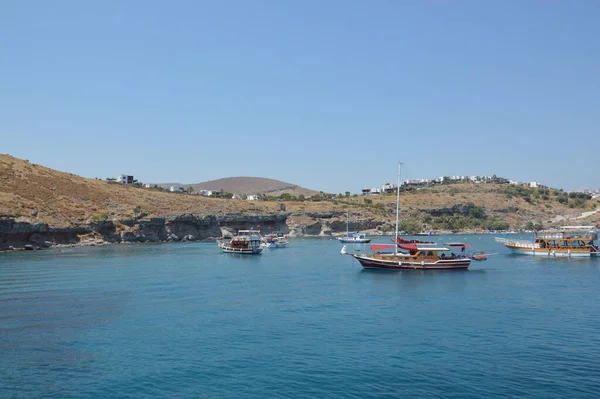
(37, 194)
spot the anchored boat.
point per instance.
(574, 243)
(353, 237)
(415, 254)
(423, 257)
(275, 240)
(246, 242)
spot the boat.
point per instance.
(411, 254)
(417, 258)
(353, 237)
(275, 240)
(576, 243)
(246, 242)
(479, 256)
(428, 234)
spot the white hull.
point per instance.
(353, 237)
(552, 254)
(351, 240)
(228, 249)
(252, 251)
(274, 245)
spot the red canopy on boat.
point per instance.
(409, 247)
(378, 247)
(401, 240)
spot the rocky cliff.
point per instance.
(41, 207)
(20, 233)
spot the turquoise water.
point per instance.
(186, 321)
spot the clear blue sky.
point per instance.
(327, 94)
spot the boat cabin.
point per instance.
(246, 239)
(558, 240)
(248, 233)
(423, 252)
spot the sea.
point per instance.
(185, 320)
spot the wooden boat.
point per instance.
(419, 255)
(247, 242)
(563, 243)
(418, 258)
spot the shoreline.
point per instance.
(102, 243)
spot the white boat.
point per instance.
(246, 242)
(274, 241)
(353, 237)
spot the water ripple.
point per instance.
(186, 321)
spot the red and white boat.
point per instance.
(247, 242)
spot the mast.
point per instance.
(347, 226)
(398, 204)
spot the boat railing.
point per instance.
(517, 243)
(568, 236)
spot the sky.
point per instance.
(329, 95)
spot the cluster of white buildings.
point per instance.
(533, 184)
(210, 193)
(175, 188)
(417, 183)
(595, 193)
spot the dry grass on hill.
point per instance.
(515, 210)
(60, 199)
(40, 194)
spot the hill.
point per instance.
(472, 206)
(36, 194)
(43, 195)
(252, 186)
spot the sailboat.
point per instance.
(353, 237)
(417, 255)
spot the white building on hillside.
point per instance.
(388, 188)
(125, 179)
(176, 189)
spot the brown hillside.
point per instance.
(40, 194)
(252, 186)
(492, 197)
